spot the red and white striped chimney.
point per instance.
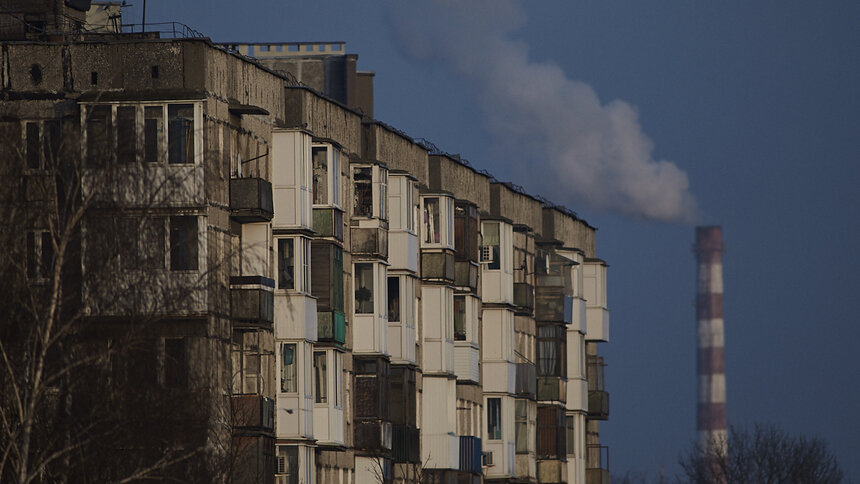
(711, 409)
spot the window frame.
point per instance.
(494, 419)
(333, 172)
(192, 244)
(301, 267)
(378, 186)
(283, 368)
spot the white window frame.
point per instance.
(332, 174)
(379, 190)
(446, 222)
(301, 264)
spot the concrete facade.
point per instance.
(375, 309)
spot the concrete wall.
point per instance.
(397, 151)
(463, 181)
(324, 118)
(520, 208)
(573, 232)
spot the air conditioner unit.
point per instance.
(487, 255)
(487, 458)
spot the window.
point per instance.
(551, 350)
(294, 259)
(98, 135)
(126, 133)
(363, 197)
(551, 432)
(183, 243)
(289, 383)
(286, 264)
(175, 363)
(432, 226)
(180, 127)
(459, 318)
(491, 243)
(409, 210)
(40, 255)
(249, 370)
(320, 380)
(364, 288)
(33, 145)
(288, 464)
(393, 299)
(521, 426)
(494, 418)
(465, 231)
(153, 133)
(326, 176)
(570, 435)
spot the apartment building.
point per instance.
(308, 294)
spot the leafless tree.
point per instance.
(766, 454)
(80, 310)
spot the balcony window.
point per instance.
(432, 223)
(521, 426)
(288, 464)
(326, 175)
(289, 382)
(294, 258)
(465, 231)
(126, 134)
(492, 244)
(327, 276)
(551, 432)
(180, 133)
(98, 129)
(320, 378)
(459, 318)
(494, 418)
(370, 191)
(364, 288)
(153, 133)
(393, 299)
(570, 435)
(551, 351)
(437, 222)
(363, 185)
(249, 363)
(42, 142)
(183, 243)
(402, 208)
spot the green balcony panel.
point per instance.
(331, 327)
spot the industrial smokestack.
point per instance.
(711, 410)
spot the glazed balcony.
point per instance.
(253, 413)
(328, 222)
(252, 300)
(598, 397)
(552, 305)
(251, 200)
(437, 266)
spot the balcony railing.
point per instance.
(466, 274)
(470, 454)
(405, 444)
(598, 397)
(253, 412)
(524, 296)
(252, 300)
(526, 379)
(551, 389)
(552, 305)
(331, 327)
(251, 200)
(328, 222)
(597, 464)
(370, 241)
(437, 265)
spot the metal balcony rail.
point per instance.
(169, 30)
(597, 457)
(594, 370)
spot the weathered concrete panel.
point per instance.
(463, 181)
(398, 151)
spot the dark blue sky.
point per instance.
(757, 102)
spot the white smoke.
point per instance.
(565, 142)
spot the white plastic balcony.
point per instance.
(401, 318)
(291, 179)
(440, 444)
(498, 350)
(497, 275)
(294, 411)
(295, 316)
(597, 314)
(438, 328)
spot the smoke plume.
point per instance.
(555, 129)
